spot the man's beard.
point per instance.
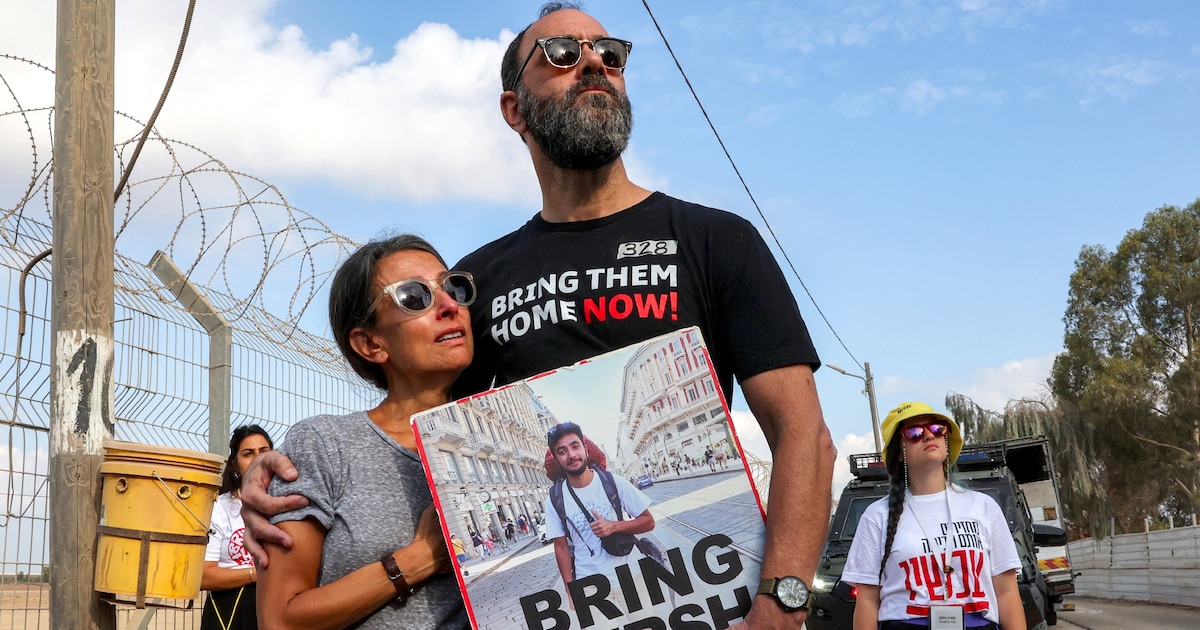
(581, 135)
(577, 471)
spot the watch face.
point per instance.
(791, 592)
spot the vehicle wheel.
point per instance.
(1051, 616)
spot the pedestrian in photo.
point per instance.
(931, 548)
(585, 515)
(460, 549)
(481, 550)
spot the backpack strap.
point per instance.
(556, 500)
(610, 489)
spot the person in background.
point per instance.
(931, 548)
(477, 542)
(460, 549)
(229, 575)
(369, 551)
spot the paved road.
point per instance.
(1099, 614)
(685, 510)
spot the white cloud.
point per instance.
(849, 444)
(990, 387)
(419, 122)
(754, 442)
(856, 106)
(1149, 28)
(1141, 72)
(921, 96)
(750, 434)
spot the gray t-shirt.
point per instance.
(368, 493)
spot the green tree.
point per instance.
(1070, 446)
(1128, 383)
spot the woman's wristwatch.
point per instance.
(403, 590)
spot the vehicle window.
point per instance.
(1005, 505)
(853, 515)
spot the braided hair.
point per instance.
(899, 479)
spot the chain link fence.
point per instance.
(160, 397)
(235, 237)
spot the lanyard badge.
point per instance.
(946, 618)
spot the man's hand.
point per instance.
(602, 527)
(258, 504)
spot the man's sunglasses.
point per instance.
(564, 51)
(415, 295)
(916, 432)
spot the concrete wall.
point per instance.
(1158, 566)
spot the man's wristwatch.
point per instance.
(790, 591)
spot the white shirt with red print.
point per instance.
(225, 544)
(973, 539)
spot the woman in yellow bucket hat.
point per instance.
(931, 553)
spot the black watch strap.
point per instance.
(403, 590)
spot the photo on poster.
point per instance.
(642, 434)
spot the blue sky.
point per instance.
(931, 168)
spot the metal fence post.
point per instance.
(220, 347)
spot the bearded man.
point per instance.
(606, 264)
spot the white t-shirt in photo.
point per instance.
(590, 557)
(225, 544)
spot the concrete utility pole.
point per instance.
(81, 322)
(869, 390)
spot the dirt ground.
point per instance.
(27, 607)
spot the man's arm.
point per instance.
(785, 403)
(562, 555)
(258, 504)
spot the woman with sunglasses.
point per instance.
(368, 550)
(931, 549)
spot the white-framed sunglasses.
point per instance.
(415, 295)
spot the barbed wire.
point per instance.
(228, 230)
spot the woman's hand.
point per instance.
(429, 535)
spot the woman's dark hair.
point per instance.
(352, 293)
(510, 64)
(895, 467)
(230, 479)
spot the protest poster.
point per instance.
(663, 438)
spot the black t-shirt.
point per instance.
(553, 294)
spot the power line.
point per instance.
(746, 186)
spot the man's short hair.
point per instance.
(510, 63)
(557, 433)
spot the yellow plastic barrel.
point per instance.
(154, 519)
